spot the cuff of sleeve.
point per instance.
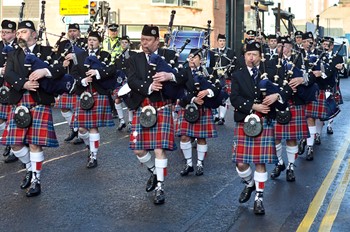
(173, 77)
(324, 76)
(84, 83)
(211, 93)
(48, 73)
(150, 89)
(98, 76)
(280, 100)
(192, 100)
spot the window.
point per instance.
(166, 2)
(192, 3)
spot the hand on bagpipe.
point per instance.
(66, 84)
(170, 89)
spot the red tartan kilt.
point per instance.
(5, 111)
(66, 101)
(338, 96)
(41, 132)
(203, 128)
(160, 136)
(317, 109)
(297, 128)
(228, 85)
(260, 149)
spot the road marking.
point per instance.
(334, 205)
(317, 202)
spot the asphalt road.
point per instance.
(112, 197)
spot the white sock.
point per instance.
(246, 176)
(68, 116)
(310, 140)
(330, 121)
(94, 143)
(279, 153)
(222, 111)
(2, 126)
(119, 109)
(187, 150)
(23, 156)
(148, 161)
(260, 178)
(319, 126)
(36, 159)
(292, 152)
(201, 152)
(161, 165)
(85, 138)
(131, 114)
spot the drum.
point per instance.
(178, 39)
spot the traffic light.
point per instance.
(104, 8)
(93, 10)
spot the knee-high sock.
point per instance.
(120, 111)
(330, 121)
(68, 116)
(292, 152)
(94, 143)
(161, 165)
(131, 114)
(201, 152)
(187, 150)
(2, 126)
(148, 161)
(260, 178)
(247, 176)
(279, 153)
(36, 159)
(85, 137)
(310, 140)
(23, 156)
(319, 126)
(222, 111)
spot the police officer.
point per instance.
(112, 44)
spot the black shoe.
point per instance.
(78, 141)
(10, 158)
(245, 194)
(221, 121)
(159, 197)
(317, 139)
(301, 146)
(186, 170)
(310, 154)
(121, 126)
(151, 183)
(7, 151)
(216, 120)
(34, 189)
(26, 181)
(259, 207)
(199, 170)
(276, 172)
(72, 134)
(92, 163)
(329, 130)
(290, 174)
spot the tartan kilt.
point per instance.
(257, 150)
(203, 128)
(160, 136)
(228, 85)
(317, 109)
(99, 116)
(41, 132)
(5, 111)
(338, 96)
(66, 101)
(297, 128)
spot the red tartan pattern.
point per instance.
(297, 128)
(338, 96)
(41, 132)
(203, 128)
(317, 109)
(5, 111)
(160, 136)
(258, 150)
(99, 116)
(228, 85)
(66, 101)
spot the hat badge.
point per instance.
(153, 32)
(257, 45)
(28, 25)
(9, 25)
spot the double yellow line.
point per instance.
(318, 200)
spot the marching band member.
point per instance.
(247, 98)
(204, 126)
(93, 108)
(271, 51)
(8, 43)
(146, 96)
(30, 121)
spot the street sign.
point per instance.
(76, 7)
